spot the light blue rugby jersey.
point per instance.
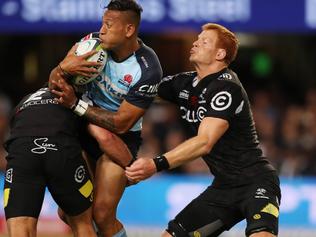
(136, 79)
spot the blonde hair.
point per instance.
(226, 40)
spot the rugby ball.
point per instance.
(101, 57)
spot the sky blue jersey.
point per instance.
(136, 80)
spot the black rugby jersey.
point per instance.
(236, 157)
(38, 114)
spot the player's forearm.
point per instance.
(189, 150)
(105, 119)
(101, 117)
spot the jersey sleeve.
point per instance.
(225, 101)
(145, 90)
(167, 88)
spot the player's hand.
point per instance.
(141, 169)
(78, 65)
(65, 93)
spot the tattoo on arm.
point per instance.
(102, 118)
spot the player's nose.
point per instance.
(102, 31)
(195, 43)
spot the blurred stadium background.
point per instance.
(276, 63)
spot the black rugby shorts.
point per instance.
(35, 163)
(132, 140)
(217, 210)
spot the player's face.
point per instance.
(113, 30)
(205, 49)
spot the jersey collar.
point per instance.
(204, 81)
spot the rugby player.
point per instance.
(120, 97)
(44, 151)
(216, 108)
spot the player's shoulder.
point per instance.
(147, 57)
(182, 76)
(228, 78)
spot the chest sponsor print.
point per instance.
(193, 116)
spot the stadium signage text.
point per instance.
(160, 15)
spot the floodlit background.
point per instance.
(276, 63)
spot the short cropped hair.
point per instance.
(127, 5)
(226, 40)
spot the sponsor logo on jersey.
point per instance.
(144, 61)
(225, 76)
(260, 193)
(148, 90)
(127, 80)
(42, 146)
(80, 174)
(38, 98)
(105, 85)
(9, 175)
(38, 102)
(201, 97)
(193, 116)
(195, 81)
(184, 94)
(221, 101)
(240, 107)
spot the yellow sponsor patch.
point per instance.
(271, 209)
(257, 217)
(6, 194)
(86, 189)
(196, 234)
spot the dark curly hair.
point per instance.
(127, 5)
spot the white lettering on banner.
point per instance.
(292, 198)
(61, 10)
(210, 10)
(9, 8)
(154, 10)
(310, 16)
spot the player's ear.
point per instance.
(221, 54)
(130, 30)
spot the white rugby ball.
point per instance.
(101, 57)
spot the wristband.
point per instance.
(81, 108)
(73, 107)
(161, 163)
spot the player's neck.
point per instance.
(124, 51)
(204, 70)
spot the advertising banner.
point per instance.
(67, 16)
(155, 201)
